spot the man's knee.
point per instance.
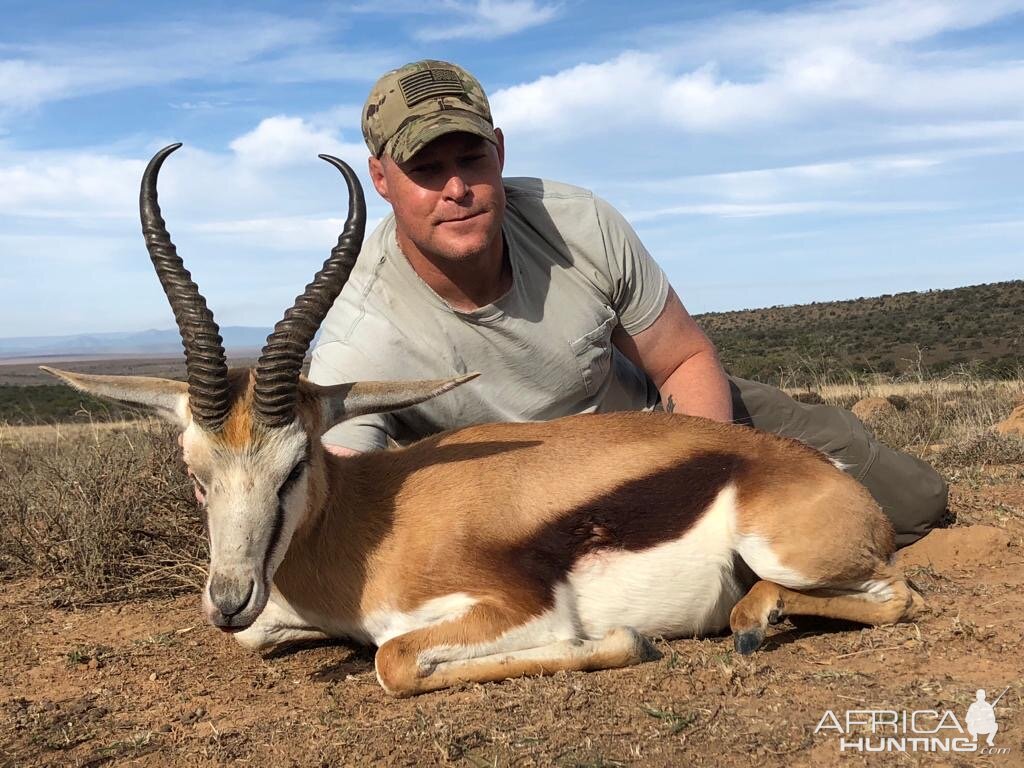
(913, 495)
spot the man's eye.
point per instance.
(424, 170)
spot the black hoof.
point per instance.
(774, 616)
(649, 652)
(747, 642)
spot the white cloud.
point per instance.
(60, 185)
(282, 233)
(488, 19)
(959, 130)
(862, 24)
(774, 69)
(760, 210)
(250, 47)
(790, 181)
(282, 140)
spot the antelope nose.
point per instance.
(229, 595)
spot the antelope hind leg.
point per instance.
(885, 598)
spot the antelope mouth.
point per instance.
(233, 608)
(231, 629)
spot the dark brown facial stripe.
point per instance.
(637, 515)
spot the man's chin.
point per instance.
(464, 249)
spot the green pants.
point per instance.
(912, 494)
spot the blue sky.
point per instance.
(767, 153)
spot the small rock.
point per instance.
(1013, 424)
(165, 728)
(200, 712)
(152, 676)
(872, 410)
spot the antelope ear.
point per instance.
(169, 398)
(344, 401)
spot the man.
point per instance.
(546, 290)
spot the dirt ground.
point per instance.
(151, 684)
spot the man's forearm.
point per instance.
(698, 387)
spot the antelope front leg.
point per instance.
(884, 598)
(440, 656)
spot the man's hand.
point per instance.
(681, 361)
(338, 450)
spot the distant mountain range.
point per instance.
(237, 339)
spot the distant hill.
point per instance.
(980, 326)
(151, 342)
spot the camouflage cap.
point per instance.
(411, 106)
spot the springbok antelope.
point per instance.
(497, 550)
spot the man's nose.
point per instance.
(455, 188)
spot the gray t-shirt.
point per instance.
(544, 348)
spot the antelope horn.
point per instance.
(204, 350)
(277, 370)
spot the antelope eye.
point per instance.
(293, 476)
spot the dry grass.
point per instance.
(103, 513)
(948, 421)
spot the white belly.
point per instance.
(684, 587)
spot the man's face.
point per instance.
(448, 198)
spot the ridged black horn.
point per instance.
(204, 351)
(277, 371)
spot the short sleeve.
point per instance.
(362, 433)
(639, 286)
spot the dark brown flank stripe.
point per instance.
(638, 515)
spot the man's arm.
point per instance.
(681, 361)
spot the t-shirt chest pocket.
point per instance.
(593, 352)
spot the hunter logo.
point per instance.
(924, 730)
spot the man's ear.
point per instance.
(167, 397)
(501, 148)
(345, 401)
(380, 183)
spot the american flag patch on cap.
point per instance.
(430, 83)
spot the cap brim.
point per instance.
(414, 136)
